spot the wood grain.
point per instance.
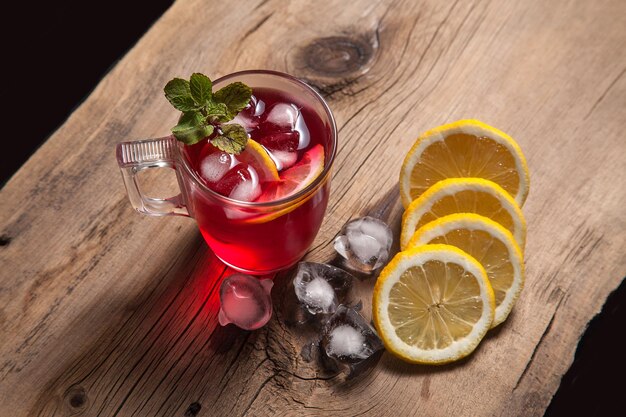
(107, 313)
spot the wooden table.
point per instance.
(106, 312)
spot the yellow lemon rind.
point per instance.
(264, 218)
(265, 159)
(450, 186)
(473, 221)
(391, 274)
(471, 127)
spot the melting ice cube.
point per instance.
(249, 116)
(282, 147)
(215, 163)
(364, 243)
(248, 123)
(348, 337)
(248, 188)
(283, 115)
(304, 137)
(259, 107)
(239, 183)
(288, 116)
(320, 287)
(282, 159)
(245, 301)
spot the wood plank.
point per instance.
(105, 312)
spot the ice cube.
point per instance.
(249, 116)
(348, 337)
(364, 243)
(283, 115)
(304, 137)
(321, 288)
(248, 123)
(259, 108)
(248, 188)
(319, 294)
(255, 107)
(283, 159)
(214, 164)
(345, 340)
(240, 183)
(282, 147)
(245, 301)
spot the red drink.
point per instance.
(259, 210)
(253, 221)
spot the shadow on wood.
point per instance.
(170, 331)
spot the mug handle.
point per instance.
(136, 156)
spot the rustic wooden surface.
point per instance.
(105, 312)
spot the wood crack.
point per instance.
(255, 27)
(539, 343)
(309, 407)
(258, 391)
(604, 93)
(312, 378)
(170, 369)
(263, 3)
(362, 413)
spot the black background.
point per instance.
(67, 47)
(60, 53)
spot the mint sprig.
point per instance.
(205, 113)
(178, 93)
(191, 128)
(233, 138)
(235, 96)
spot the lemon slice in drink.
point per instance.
(487, 242)
(291, 181)
(464, 195)
(296, 178)
(432, 304)
(254, 154)
(467, 148)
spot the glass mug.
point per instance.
(253, 237)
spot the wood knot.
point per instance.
(5, 240)
(337, 55)
(333, 63)
(193, 410)
(76, 398)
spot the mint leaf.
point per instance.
(178, 92)
(204, 112)
(232, 140)
(217, 113)
(192, 135)
(191, 118)
(200, 86)
(235, 96)
(191, 128)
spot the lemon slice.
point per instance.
(464, 195)
(467, 148)
(297, 177)
(254, 154)
(291, 181)
(490, 244)
(432, 304)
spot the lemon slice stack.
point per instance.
(461, 268)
